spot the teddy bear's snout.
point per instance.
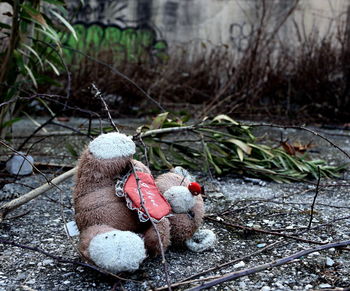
(180, 198)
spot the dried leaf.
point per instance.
(243, 146)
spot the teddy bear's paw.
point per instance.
(117, 251)
(180, 199)
(201, 240)
(112, 145)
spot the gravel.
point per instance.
(251, 203)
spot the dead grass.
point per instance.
(304, 83)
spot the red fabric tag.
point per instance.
(154, 201)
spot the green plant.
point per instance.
(226, 146)
(32, 46)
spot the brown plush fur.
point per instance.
(99, 210)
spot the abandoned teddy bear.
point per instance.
(115, 232)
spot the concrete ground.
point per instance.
(251, 203)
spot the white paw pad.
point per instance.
(117, 251)
(180, 199)
(201, 240)
(112, 145)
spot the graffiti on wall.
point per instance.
(240, 35)
(102, 26)
(130, 43)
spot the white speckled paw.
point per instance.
(117, 251)
(180, 199)
(201, 240)
(112, 145)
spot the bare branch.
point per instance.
(306, 129)
(15, 203)
(154, 226)
(61, 259)
(279, 262)
(98, 94)
(189, 280)
(314, 201)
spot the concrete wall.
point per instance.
(228, 22)
(193, 22)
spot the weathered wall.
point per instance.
(140, 26)
(5, 11)
(215, 21)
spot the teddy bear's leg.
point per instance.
(112, 249)
(151, 238)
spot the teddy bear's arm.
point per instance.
(151, 238)
(184, 225)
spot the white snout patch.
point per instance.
(112, 145)
(180, 199)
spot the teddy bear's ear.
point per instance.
(112, 145)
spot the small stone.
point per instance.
(18, 165)
(32, 281)
(21, 276)
(279, 285)
(47, 262)
(66, 282)
(308, 286)
(269, 222)
(329, 262)
(242, 285)
(239, 265)
(324, 285)
(216, 195)
(262, 245)
(265, 288)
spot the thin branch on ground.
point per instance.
(71, 128)
(166, 130)
(276, 263)
(259, 230)
(35, 131)
(15, 203)
(98, 94)
(315, 197)
(189, 279)
(166, 272)
(62, 260)
(305, 129)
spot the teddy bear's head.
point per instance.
(107, 155)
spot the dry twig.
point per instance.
(279, 262)
(305, 129)
(154, 226)
(190, 280)
(15, 203)
(61, 259)
(314, 201)
(98, 94)
(252, 229)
